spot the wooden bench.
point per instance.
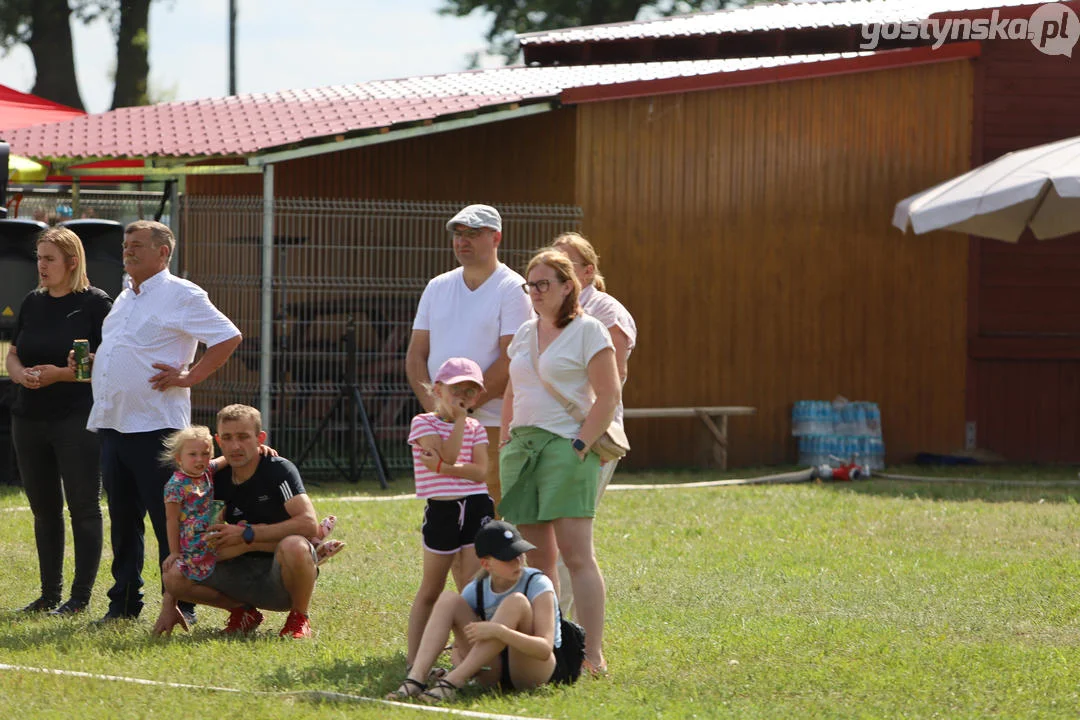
(707, 415)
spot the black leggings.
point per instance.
(58, 459)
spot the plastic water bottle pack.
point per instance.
(838, 432)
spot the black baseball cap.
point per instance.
(500, 540)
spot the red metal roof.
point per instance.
(248, 124)
(767, 18)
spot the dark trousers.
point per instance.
(135, 486)
(58, 459)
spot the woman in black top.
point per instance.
(57, 455)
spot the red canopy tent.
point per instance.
(19, 109)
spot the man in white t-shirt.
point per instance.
(472, 311)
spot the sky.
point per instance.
(281, 44)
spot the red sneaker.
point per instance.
(243, 620)
(297, 626)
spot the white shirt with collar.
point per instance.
(163, 323)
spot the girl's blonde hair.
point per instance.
(587, 252)
(70, 247)
(174, 443)
(482, 573)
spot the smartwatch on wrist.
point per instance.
(579, 445)
(249, 534)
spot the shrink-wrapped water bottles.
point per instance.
(838, 432)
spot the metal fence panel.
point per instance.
(334, 260)
(56, 204)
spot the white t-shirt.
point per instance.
(612, 313)
(468, 323)
(565, 365)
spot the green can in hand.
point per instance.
(217, 508)
(82, 360)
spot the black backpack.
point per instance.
(572, 649)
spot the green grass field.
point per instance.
(876, 599)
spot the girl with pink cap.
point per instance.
(450, 460)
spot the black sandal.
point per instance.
(409, 689)
(443, 690)
(433, 674)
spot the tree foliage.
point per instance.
(45, 27)
(511, 17)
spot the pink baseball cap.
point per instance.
(459, 369)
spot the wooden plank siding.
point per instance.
(748, 232)
(526, 160)
(1024, 338)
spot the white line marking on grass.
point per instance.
(981, 481)
(791, 477)
(320, 695)
(368, 498)
(114, 678)
(324, 695)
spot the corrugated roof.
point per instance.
(770, 17)
(247, 124)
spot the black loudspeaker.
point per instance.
(5, 159)
(103, 242)
(18, 267)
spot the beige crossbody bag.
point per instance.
(613, 444)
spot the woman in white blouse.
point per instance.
(550, 473)
(595, 301)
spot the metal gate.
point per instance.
(334, 261)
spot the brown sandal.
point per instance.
(593, 670)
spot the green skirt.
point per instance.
(543, 479)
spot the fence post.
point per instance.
(266, 349)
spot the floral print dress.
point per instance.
(194, 496)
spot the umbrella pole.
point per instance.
(1038, 202)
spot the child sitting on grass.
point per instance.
(506, 626)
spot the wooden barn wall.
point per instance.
(1025, 298)
(748, 231)
(527, 160)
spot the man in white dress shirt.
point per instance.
(472, 311)
(141, 380)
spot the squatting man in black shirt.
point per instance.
(264, 557)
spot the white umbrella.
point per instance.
(1038, 188)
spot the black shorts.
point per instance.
(563, 674)
(450, 525)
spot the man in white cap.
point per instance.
(472, 311)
